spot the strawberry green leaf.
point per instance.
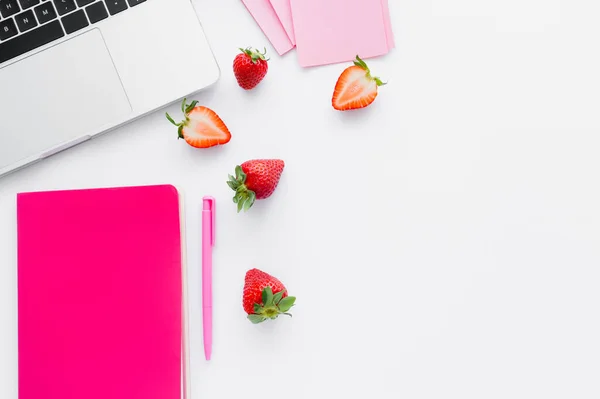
(286, 303)
(263, 54)
(180, 132)
(183, 105)
(254, 55)
(278, 297)
(250, 200)
(255, 319)
(360, 63)
(257, 308)
(240, 176)
(267, 296)
(379, 82)
(171, 120)
(191, 107)
(244, 197)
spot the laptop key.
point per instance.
(133, 3)
(30, 40)
(25, 21)
(96, 12)
(8, 8)
(83, 3)
(64, 6)
(75, 21)
(45, 12)
(115, 6)
(25, 4)
(8, 29)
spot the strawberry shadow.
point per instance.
(355, 117)
(205, 156)
(253, 93)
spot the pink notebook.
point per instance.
(102, 294)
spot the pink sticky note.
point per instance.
(283, 10)
(265, 16)
(388, 24)
(332, 31)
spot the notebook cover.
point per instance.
(265, 16)
(100, 294)
(332, 31)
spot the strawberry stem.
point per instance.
(244, 197)
(186, 109)
(272, 306)
(255, 55)
(360, 63)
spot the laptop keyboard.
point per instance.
(28, 24)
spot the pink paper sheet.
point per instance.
(388, 24)
(283, 9)
(265, 16)
(332, 31)
(284, 13)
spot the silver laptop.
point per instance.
(73, 69)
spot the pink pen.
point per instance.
(208, 241)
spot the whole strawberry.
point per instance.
(250, 68)
(202, 127)
(265, 297)
(255, 180)
(355, 88)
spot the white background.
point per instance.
(443, 243)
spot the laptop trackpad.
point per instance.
(58, 96)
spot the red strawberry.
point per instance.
(355, 88)
(255, 179)
(250, 67)
(265, 297)
(202, 127)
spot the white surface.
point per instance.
(442, 243)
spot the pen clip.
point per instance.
(213, 213)
(209, 202)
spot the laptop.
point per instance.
(71, 70)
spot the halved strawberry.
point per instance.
(355, 88)
(202, 127)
